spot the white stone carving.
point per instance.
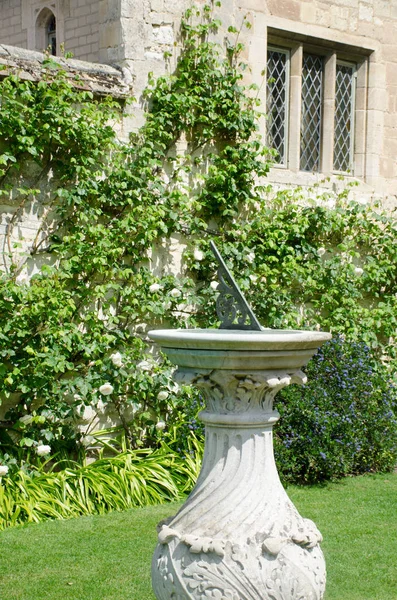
(238, 536)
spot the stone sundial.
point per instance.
(238, 536)
(231, 303)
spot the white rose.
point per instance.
(321, 251)
(87, 413)
(26, 419)
(163, 395)
(144, 365)
(3, 470)
(198, 254)
(43, 449)
(358, 271)
(251, 257)
(106, 389)
(117, 359)
(160, 425)
(214, 285)
(155, 287)
(253, 278)
(175, 293)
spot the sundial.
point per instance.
(232, 308)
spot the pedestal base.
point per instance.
(236, 572)
(238, 536)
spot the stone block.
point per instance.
(110, 36)
(307, 13)
(382, 8)
(131, 8)
(377, 75)
(109, 10)
(366, 29)
(353, 23)
(323, 17)
(163, 34)
(391, 73)
(288, 9)
(365, 12)
(377, 99)
(390, 33)
(157, 5)
(82, 11)
(389, 52)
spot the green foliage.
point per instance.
(131, 478)
(306, 263)
(342, 422)
(74, 336)
(108, 204)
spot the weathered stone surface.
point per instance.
(98, 78)
(238, 535)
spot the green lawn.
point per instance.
(108, 557)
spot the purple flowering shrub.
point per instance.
(342, 422)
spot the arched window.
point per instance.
(46, 36)
(52, 35)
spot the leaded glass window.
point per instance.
(312, 83)
(277, 102)
(52, 35)
(344, 117)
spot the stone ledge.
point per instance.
(97, 78)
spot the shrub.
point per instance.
(343, 421)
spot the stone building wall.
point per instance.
(23, 24)
(362, 32)
(81, 32)
(11, 31)
(133, 34)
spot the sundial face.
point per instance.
(232, 308)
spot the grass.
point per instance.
(107, 557)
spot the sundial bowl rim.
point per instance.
(242, 340)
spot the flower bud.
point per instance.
(198, 254)
(106, 389)
(43, 449)
(117, 359)
(155, 287)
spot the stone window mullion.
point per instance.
(295, 107)
(328, 125)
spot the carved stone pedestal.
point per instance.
(238, 536)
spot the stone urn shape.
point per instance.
(238, 536)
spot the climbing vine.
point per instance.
(73, 334)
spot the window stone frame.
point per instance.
(332, 52)
(31, 12)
